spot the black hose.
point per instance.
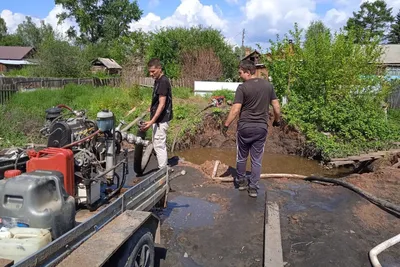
(386, 205)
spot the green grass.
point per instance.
(24, 114)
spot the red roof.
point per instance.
(14, 52)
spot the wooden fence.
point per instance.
(394, 99)
(10, 85)
(6, 92)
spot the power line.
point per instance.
(243, 33)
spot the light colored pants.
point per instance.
(160, 143)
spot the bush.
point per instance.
(335, 93)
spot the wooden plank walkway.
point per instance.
(352, 160)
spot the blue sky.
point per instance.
(262, 19)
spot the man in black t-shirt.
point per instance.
(252, 100)
(160, 111)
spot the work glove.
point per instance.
(224, 130)
(276, 123)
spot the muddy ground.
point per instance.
(213, 224)
(383, 181)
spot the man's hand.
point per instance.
(224, 130)
(276, 123)
(145, 126)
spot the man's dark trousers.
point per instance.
(250, 139)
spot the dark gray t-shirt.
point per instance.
(255, 95)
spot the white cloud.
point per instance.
(14, 19)
(53, 20)
(335, 19)
(264, 19)
(147, 23)
(189, 13)
(232, 1)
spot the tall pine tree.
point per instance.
(394, 35)
(372, 20)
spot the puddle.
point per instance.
(296, 201)
(189, 262)
(186, 212)
(328, 204)
(295, 207)
(272, 163)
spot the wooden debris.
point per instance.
(352, 160)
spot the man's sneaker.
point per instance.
(242, 185)
(252, 192)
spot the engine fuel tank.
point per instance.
(55, 159)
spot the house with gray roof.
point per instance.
(391, 60)
(106, 65)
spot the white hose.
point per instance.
(373, 253)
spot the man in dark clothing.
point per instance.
(252, 100)
(160, 111)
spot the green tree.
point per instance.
(169, 44)
(372, 20)
(125, 48)
(11, 40)
(31, 34)
(3, 28)
(394, 35)
(98, 21)
(58, 58)
(335, 92)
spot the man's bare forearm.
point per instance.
(235, 110)
(277, 110)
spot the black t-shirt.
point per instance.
(162, 86)
(255, 95)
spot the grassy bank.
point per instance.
(24, 115)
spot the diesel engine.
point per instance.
(95, 146)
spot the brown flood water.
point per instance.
(272, 163)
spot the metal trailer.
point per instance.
(122, 233)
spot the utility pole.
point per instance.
(243, 53)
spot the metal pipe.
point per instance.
(108, 170)
(373, 253)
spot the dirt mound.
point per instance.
(370, 216)
(383, 183)
(282, 140)
(222, 171)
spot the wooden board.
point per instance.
(337, 162)
(102, 245)
(6, 263)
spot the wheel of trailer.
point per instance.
(142, 254)
(141, 155)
